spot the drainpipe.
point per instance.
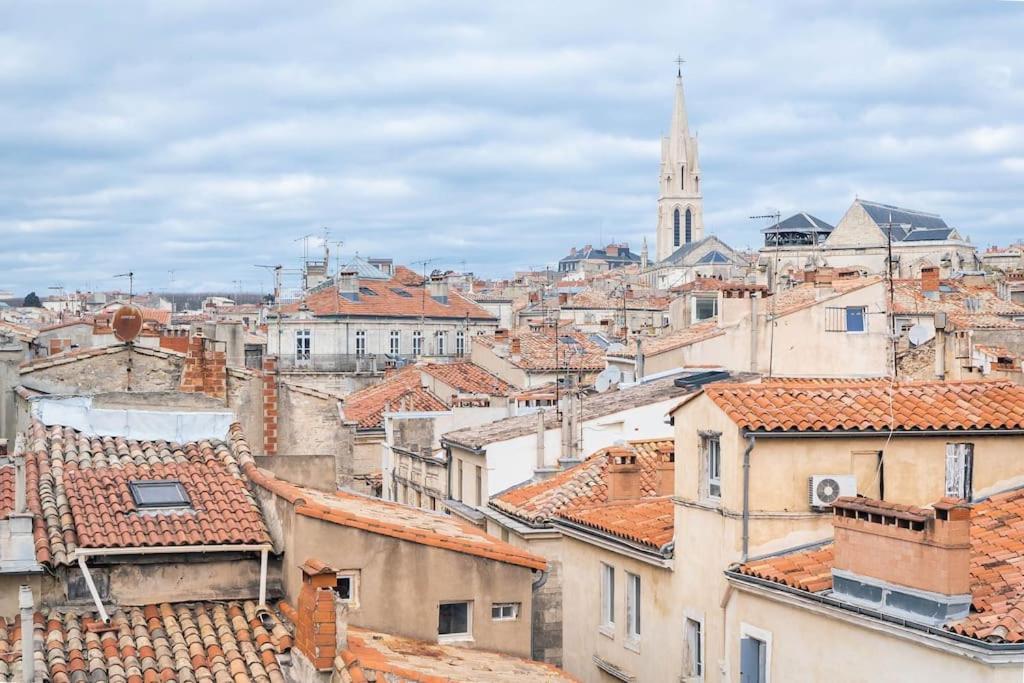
(746, 496)
(27, 606)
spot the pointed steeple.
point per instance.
(680, 131)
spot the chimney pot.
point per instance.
(930, 279)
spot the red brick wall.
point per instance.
(315, 627)
(270, 405)
(205, 369)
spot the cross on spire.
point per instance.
(679, 64)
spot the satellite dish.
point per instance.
(919, 334)
(609, 376)
(127, 323)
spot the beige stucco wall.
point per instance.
(844, 652)
(402, 583)
(655, 657)
(108, 372)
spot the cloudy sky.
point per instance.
(202, 138)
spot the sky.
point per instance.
(188, 141)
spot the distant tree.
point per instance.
(32, 301)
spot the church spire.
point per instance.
(679, 133)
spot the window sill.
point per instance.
(631, 643)
(455, 638)
(607, 630)
(711, 502)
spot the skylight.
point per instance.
(401, 292)
(166, 493)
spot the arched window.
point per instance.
(675, 230)
(689, 224)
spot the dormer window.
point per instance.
(165, 493)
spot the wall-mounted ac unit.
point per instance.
(824, 489)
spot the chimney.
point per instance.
(665, 471)
(340, 625)
(501, 334)
(270, 405)
(572, 251)
(823, 277)
(515, 346)
(612, 250)
(205, 370)
(929, 279)
(563, 299)
(437, 287)
(316, 615)
(735, 304)
(348, 284)
(623, 474)
(903, 559)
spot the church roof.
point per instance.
(909, 225)
(800, 222)
(682, 252)
(713, 256)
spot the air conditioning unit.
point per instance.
(824, 489)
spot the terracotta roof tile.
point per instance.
(648, 521)
(78, 487)
(467, 378)
(997, 569)
(236, 642)
(401, 390)
(409, 301)
(672, 340)
(538, 350)
(954, 297)
(808, 294)
(635, 300)
(394, 520)
(865, 405)
(584, 484)
(389, 657)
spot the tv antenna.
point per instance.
(777, 217)
(127, 324)
(277, 280)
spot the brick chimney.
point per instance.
(515, 346)
(205, 368)
(623, 474)
(612, 250)
(665, 470)
(904, 559)
(270, 405)
(563, 299)
(501, 333)
(316, 630)
(823, 277)
(930, 279)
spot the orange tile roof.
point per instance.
(77, 485)
(960, 299)
(997, 570)
(395, 520)
(538, 350)
(233, 641)
(158, 315)
(672, 340)
(808, 294)
(583, 484)
(391, 657)
(648, 521)
(591, 298)
(6, 490)
(467, 378)
(713, 284)
(401, 390)
(413, 302)
(866, 406)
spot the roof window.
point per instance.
(367, 291)
(166, 493)
(401, 292)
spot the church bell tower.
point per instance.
(680, 202)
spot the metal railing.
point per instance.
(351, 362)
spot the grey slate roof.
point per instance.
(909, 225)
(713, 256)
(800, 222)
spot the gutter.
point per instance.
(746, 495)
(848, 433)
(660, 557)
(84, 553)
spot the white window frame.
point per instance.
(395, 342)
(507, 611)
(417, 343)
(714, 314)
(712, 475)
(695, 651)
(440, 341)
(634, 610)
(360, 342)
(464, 636)
(303, 344)
(460, 343)
(607, 617)
(959, 469)
(750, 631)
(353, 576)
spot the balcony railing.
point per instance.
(349, 362)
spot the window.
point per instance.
(401, 292)
(856, 319)
(689, 226)
(417, 343)
(607, 595)
(168, 493)
(505, 611)
(755, 655)
(632, 606)
(704, 308)
(346, 586)
(441, 337)
(712, 448)
(959, 469)
(360, 342)
(396, 343)
(303, 344)
(453, 620)
(366, 291)
(693, 664)
(675, 228)
(479, 481)
(460, 343)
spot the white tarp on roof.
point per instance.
(143, 425)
